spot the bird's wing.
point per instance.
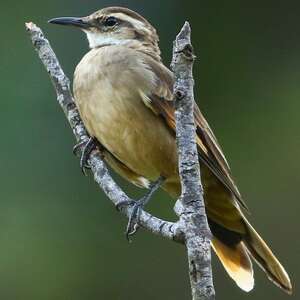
(234, 238)
(160, 101)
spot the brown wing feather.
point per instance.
(161, 102)
(234, 238)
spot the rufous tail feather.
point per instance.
(236, 262)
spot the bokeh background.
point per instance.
(60, 238)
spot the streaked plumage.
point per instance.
(124, 95)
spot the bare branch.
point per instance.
(101, 175)
(192, 212)
(192, 228)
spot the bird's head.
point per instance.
(114, 26)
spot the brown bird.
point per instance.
(124, 95)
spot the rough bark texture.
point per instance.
(192, 227)
(192, 213)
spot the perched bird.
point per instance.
(124, 96)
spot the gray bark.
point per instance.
(192, 227)
(192, 212)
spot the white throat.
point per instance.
(98, 40)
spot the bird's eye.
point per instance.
(110, 21)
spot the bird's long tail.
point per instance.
(236, 260)
(264, 257)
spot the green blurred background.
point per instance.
(60, 238)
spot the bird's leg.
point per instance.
(87, 147)
(132, 225)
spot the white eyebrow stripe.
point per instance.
(139, 25)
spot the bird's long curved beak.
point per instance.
(71, 21)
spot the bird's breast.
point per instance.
(108, 92)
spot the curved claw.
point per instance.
(87, 147)
(132, 225)
(77, 148)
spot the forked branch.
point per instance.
(192, 228)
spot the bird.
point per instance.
(124, 94)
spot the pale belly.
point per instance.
(131, 132)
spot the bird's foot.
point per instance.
(132, 225)
(86, 147)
